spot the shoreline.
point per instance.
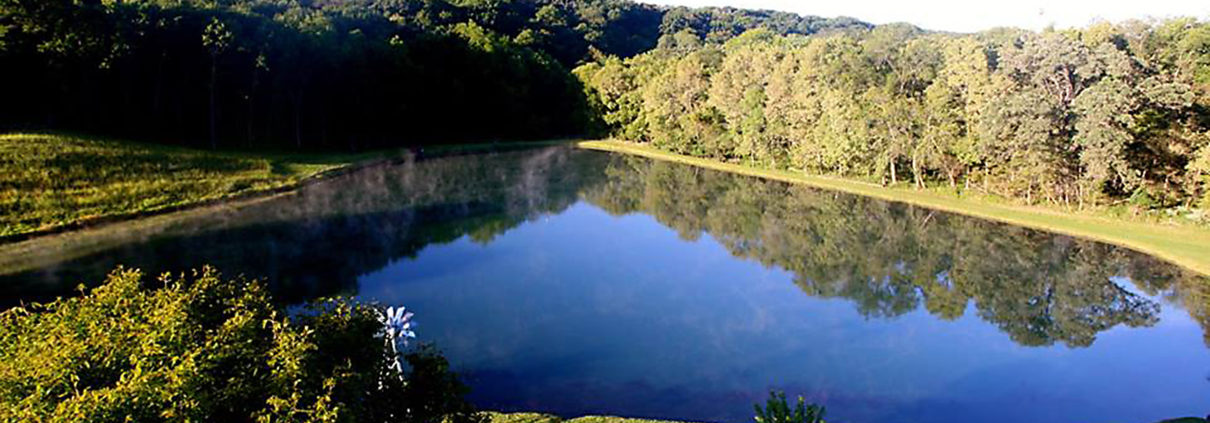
(230, 199)
(376, 158)
(1187, 246)
(31, 250)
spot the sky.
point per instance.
(975, 15)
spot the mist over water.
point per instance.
(577, 282)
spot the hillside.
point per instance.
(332, 75)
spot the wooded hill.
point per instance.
(1104, 114)
(1108, 114)
(347, 74)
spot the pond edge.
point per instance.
(1187, 246)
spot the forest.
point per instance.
(121, 109)
(329, 74)
(1112, 113)
(1106, 114)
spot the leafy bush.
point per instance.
(778, 411)
(202, 348)
(1142, 199)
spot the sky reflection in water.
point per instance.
(637, 321)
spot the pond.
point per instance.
(575, 282)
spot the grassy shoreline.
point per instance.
(54, 183)
(85, 191)
(497, 417)
(1184, 245)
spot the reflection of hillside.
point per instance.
(319, 241)
(890, 259)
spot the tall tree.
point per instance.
(217, 39)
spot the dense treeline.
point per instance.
(348, 74)
(1102, 114)
(576, 30)
(248, 73)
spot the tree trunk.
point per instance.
(213, 104)
(916, 173)
(298, 105)
(894, 178)
(157, 94)
(250, 137)
(323, 128)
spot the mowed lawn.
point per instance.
(51, 180)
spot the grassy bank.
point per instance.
(53, 181)
(1187, 245)
(547, 418)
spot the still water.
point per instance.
(576, 282)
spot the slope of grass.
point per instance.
(52, 181)
(547, 418)
(1187, 245)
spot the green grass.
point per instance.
(546, 418)
(51, 181)
(1187, 245)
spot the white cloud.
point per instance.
(974, 15)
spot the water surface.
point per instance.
(578, 282)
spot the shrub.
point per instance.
(202, 348)
(778, 411)
(1142, 199)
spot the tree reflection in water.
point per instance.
(889, 258)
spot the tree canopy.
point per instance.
(328, 74)
(1110, 113)
(1103, 114)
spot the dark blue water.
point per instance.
(577, 282)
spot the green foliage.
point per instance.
(1143, 199)
(216, 37)
(309, 75)
(343, 75)
(197, 347)
(778, 411)
(1102, 133)
(1201, 168)
(1073, 118)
